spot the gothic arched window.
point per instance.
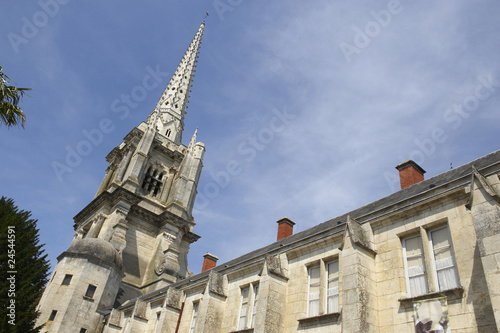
(152, 181)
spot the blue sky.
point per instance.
(314, 102)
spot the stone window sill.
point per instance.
(450, 294)
(90, 299)
(246, 330)
(317, 320)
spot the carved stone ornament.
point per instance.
(160, 267)
(167, 267)
(216, 283)
(174, 298)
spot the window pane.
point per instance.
(314, 275)
(418, 285)
(314, 292)
(53, 315)
(90, 291)
(442, 253)
(415, 262)
(440, 238)
(313, 308)
(67, 279)
(244, 294)
(333, 303)
(413, 246)
(333, 270)
(241, 323)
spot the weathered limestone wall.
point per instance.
(297, 287)
(212, 305)
(485, 212)
(138, 252)
(72, 307)
(468, 308)
(237, 280)
(359, 311)
(273, 286)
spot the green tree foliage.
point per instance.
(10, 96)
(22, 254)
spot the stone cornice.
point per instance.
(105, 197)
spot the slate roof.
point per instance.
(454, 178)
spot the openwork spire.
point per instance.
(193, 139)
(168, 116)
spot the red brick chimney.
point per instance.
(209, 262)
(285, 228)
(410, 173)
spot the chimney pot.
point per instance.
(285, 228)
(209, 262)
(410, 173)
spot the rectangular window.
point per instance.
(83, 330)
(443, 275)
(332, 285)
(442, 258)
(67, 279)
(245, 295)
(158, 314)
(314, 283)
(416, 281)
(53, 315)
(194, 317)
(254, 305)
(248, 306)
(90, 291)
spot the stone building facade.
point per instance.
(424, 258)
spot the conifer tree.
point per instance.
(23, 268)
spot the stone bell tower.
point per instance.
(133, 238)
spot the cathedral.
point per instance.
(423, 259)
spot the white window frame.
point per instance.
(255, 297)
(158, 315)
(434, 267)
(253, 292)
(309, 269)
(194, 317)
(328, 280)
(428, 250)
(405, 256)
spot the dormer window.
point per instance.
(152, 181)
